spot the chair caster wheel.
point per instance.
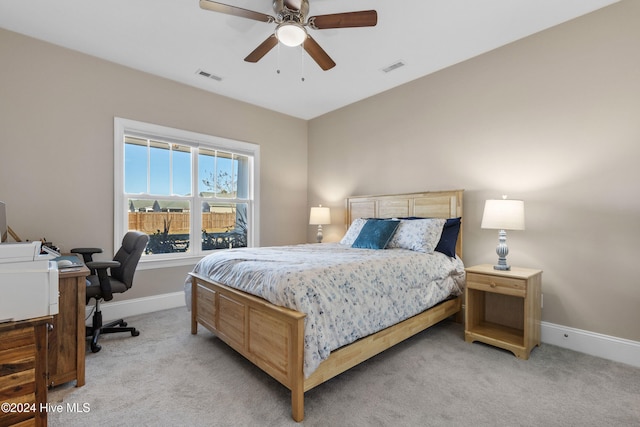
(95, 348)
(135, 333)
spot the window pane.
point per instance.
(135, 165)
(225, 175)
(181, 170)
(206, 172)
(224, 225)
(159, 157)
(242, 172)
(167, 222)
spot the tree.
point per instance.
(224, 183)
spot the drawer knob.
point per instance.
(493, 284)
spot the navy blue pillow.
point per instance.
(450, 231)
(375, 234)
(449, 237)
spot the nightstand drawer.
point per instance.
(497, 284)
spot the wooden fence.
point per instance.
(178, 222)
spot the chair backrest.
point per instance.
(128, 256)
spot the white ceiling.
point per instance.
(176, 38)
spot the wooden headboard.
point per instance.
(432, 204)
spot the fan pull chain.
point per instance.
(302, 62)
(278, 64)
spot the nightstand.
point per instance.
(502, 308)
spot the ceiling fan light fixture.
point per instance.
(291, 33)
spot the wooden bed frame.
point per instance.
(272, 337)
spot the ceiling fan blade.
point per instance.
(365, 18)
(318, 54)
(236, 11)
(263, 49)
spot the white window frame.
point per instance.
(124, 127)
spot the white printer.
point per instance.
(28, 282)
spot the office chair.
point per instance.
(102, 286)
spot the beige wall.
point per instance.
(56, 147)
(553, 119)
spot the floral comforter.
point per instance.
(346, 293)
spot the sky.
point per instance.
(168, 172)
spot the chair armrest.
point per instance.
(87, 253)
(101, 267)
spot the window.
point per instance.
(191, 193)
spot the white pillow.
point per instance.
(420, 235)
(353, 232)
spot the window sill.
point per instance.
(169, 261)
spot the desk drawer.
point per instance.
(23, 347)
(497, 284)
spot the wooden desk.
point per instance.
(67, 340)
(23, 364)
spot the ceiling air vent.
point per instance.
(394, 66)
(209, 75)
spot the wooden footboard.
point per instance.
(272, 337)
(269, 336)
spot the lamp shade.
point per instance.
(319, 216)
(503, 215)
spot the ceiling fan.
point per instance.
(290, 30)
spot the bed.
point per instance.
(250, 316)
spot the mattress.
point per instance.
(346, 293)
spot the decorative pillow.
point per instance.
(420, 235)
(353, 231)
(375, 234)
(447, 243)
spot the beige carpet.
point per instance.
(168, 377)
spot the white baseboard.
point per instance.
(605, 346)
(592, 343)
(133, 307)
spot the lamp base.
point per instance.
(502, 250)
(319, 235)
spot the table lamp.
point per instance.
(503, 215)
(319, 216)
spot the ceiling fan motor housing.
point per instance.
(286, 10)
